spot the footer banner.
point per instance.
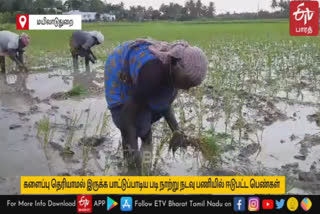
(153, 185)
(149, 203)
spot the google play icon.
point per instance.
(111, 203)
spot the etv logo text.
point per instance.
(304, 18)
(84, 203)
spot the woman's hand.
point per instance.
(178, 140)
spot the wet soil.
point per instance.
(276, 135)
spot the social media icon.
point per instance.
(279, 204)
(126, 204)
(84, 203)
(253, 204)
(292, 204)
(239, 204)
(267, 204)
(111, 203)
(306, 204)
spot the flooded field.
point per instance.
(258, 108)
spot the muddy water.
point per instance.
(54, 82)
(28, 98)
(280, 141)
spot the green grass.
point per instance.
(77, 90)
(199, 33)
(211, 142)
(44, 130)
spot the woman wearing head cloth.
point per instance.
(81, 43)
(141, 82)
(12, 45)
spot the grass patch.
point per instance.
(209, 145)
(72, 125)
(315, 118)
(45, 130)
(200, 33)
(77, 90)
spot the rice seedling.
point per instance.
(85, 156)
(77, 90)
(98, 125)
(72, 127)
(101, 128)
(210, 146)
(182, 115)
(86, 124)
(200, 109)
(114, 160)
(159, 149)
(104, 131)
(45, 131)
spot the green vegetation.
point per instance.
(210, 145)
(72, 125)
(77, 90)
(253, 65)
(56, 43)
(45, 131)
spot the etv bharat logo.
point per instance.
(84, 203)
(304, 18)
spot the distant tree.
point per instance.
(274, 4)
(156, 15)
(59, 5)
(164, 11)
(118, 10)
(184, 14)
(141, 11)
(281, 4)
(149, 13)
(198, 8)
(211, 9)
(44, 3)
(28, 6)
(132, 13)
(136, 13)
(264, 14)
(204, 11)
(85, 5)
(284, 5)
(96, 6)
(175, 11)
(191, 9)
(5, 6)
(73, 4)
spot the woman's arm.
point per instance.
(151, 79)
(127, 126)
(171, 119)
(13, 54)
